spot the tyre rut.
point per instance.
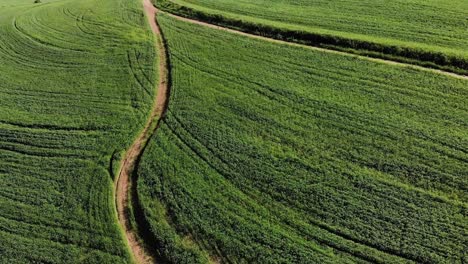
(125, 180)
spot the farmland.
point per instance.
(431, 32)
(77, 83)
(305, 131)
(274, 153)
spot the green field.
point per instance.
(430, 24)
(278, 154)
(268, 153)
(429, 32)
(76, 87)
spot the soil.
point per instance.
(129, 162)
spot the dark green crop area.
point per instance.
(431, 25)
(76, 87)
(278, 154)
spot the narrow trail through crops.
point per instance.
(129, 162)
(125, 181)
(390, 62)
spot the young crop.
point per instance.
(279, 154)
(76, 86)
(388, 30)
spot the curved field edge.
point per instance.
(399, 53)
(127, 202)
(164, 248)
(224, 179)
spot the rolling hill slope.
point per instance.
(279, 154)
(76, 86)
(268, 153)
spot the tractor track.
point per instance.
(126, 182)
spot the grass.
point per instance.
(429, 33)
(77, 82)
(278, 154)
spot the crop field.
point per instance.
(272, 153)
(200, 135)
(75, 89)
(429, 31)
(431, 24)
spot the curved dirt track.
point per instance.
(124, 181)
(391, 62)
(129, 162)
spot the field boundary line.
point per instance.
(125, 184)
(316, 48)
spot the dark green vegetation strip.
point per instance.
(76, 86)
(277, 154)
(427, 33)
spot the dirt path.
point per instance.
(198, 22)
(124, 181)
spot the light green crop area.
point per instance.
(279, 154)
(432, 25)
(76, 86)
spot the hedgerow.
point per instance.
(427, 58)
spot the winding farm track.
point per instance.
(124, 181)
(129, 162)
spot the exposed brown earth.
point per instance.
(129, 162)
